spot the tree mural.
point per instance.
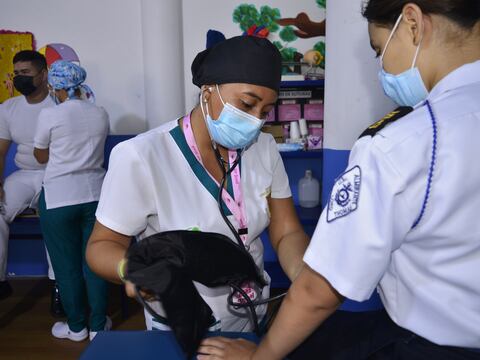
(320, 46)
(322, 3)
(248, 17)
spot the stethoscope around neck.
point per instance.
(236, 288)
(244, 247)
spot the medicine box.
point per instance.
(289, 111)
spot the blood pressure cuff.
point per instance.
(166, 264)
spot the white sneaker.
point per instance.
(108, 326)
(61, 331)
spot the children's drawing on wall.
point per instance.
(11, 42)
(287, 33)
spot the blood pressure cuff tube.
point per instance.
(166, 264)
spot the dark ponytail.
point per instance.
(465, 13)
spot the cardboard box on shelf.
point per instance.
(313, 111)
(315, 137)
(314, 142)
(315, 129)
(288, 111)
(276, 131)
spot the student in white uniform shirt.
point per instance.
(18, 119)
(167, 179)
(403, 218)
(70, 138)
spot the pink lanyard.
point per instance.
(237, 205)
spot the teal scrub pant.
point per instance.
(66, 231)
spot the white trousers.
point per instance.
(22, 189)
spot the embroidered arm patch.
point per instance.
(345, 194)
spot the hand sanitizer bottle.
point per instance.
(308, 191)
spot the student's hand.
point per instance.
(224, 348)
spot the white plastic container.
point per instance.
(303, 127)
(294, 131)
(308, 191)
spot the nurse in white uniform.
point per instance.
(168, 178)
(403, 218)
(70, 138)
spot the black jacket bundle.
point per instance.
(166, 263)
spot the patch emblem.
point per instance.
(345, 194)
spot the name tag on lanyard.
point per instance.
(236, 205)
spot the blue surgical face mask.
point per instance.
(234, 129)
(407, 88)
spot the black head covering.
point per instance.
(241, 59)
(166, 263)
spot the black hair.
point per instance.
(465, 13)
(37, 59)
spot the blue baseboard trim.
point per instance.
(27, 257)
(334, 163)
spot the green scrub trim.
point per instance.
(198, 169)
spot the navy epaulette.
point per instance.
(387, 119)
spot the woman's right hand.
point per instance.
(130, 289)
(131, 292)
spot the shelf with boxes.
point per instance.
(298, 114)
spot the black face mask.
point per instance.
(24, 84)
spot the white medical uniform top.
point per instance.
(428, 276)
(18, 121)
(154, 183)
(75, 133)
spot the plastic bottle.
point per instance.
(308, 191)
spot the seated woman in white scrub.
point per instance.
(403, 218)
(168, 178)
(70, 138)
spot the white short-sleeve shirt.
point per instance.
(75, 133)
(427, 276)
(18, 121)
(154, 184)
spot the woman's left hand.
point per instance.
(225, 348)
